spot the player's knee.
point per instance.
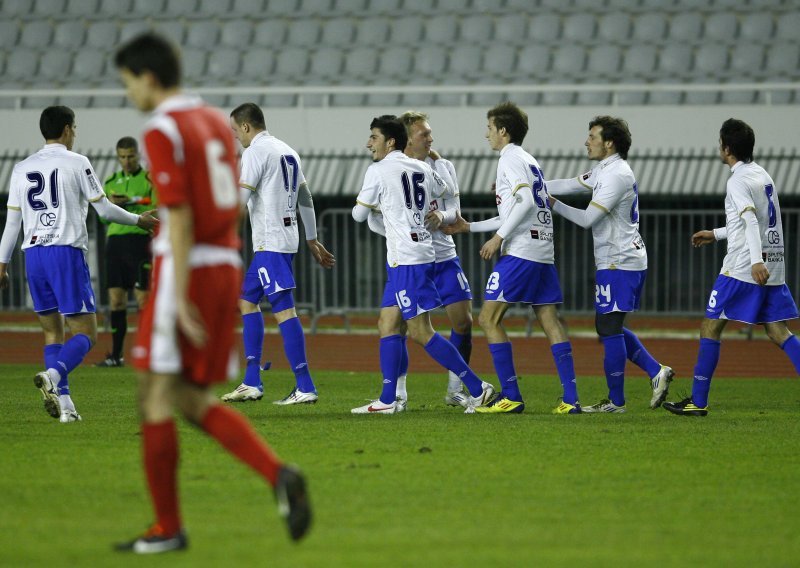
(488, 321)
(246, 307)
(777, 333)
(607, 325)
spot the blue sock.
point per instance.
(72, 353)
(443, 352)
(638, 355)
(707, 359)
(562, 355)
(51, 362)
(391, 351)
(614, 366)
(253, 338)
(462, 342)
(294, 344)
(792, 348)
(504, 367)
(403, 356)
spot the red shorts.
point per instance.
(161, 348)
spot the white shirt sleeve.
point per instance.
(447, 172)
(10, 234)
(582, 217)
(523, 204)
(517, 173)
(370, 193)
(485, 226)
(90, 184)
(251, 170)
(752, 236)
(566, 187)
(111, 212)
(608, 192)
(375, 223)
(720, 233)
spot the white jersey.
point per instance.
(272, 171)
(402, 188)
(751, 187)
(443, 245)
(617, 242)
(533, 238)
(52, 188)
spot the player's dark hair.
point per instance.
(128, 143)
(739, 138)
(616, 130)
(509, 116)
(391, 127)
(250, 113)
(53, 120)
(153, 53)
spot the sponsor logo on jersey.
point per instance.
(773, 237)
(434, 205)
(420, 237)
(586, 176)
(544, 217)
(93, 181)
(47, 219)
(638, 243)
(772, 256)
(541, 235)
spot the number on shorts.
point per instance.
(263, 276)
(221, 176)
(712, 300)
(605, 291)
(33, 192)
(402, 300)
(462, 281)
(494, 281)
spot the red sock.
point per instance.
(236, 435)
(160, 445)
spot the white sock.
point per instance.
(453, 383)
(66, 402)
(401, 387)
(55, 376)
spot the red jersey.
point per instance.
(192, 157)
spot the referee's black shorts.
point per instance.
(128, 262)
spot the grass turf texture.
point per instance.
(431, 486)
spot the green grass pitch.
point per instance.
(431, 487)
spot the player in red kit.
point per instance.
(186, 331)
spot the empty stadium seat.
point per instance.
(171, 29)
(180, 8)
(371, 31)
(757, 27)
(292, 62)
(54, 65)
(236, 33)
(476, 29)
(543, 28)
(202, 34)
(710, 60)
(721, 27)
(247, 8)
(568, 62)
(269, 33)
(685, 27)
(604, 63)
(36, 35)
(614, 27)
(21, 64)
(114, 7)
(630, 98)
(441, 29)
(194, 64)
(666, 97)
(224, 63)
(675, 60)
(9, 31)
(593, 98)
(69, 34)
(49, 8)
(782, 59)
(407, 30)
(454, 6)
(145, 8)
(788, 24)
(338, 32)
(325, 64)
(304, 33)
(639, 62)
(499, 61)
(533, 61)
(510, 29)
(395, 62)
(579, 28)
(430, 61)
(102, 35)
(16, 8)
(649, 27)
(257, 66)
(131, 29)
(88, 65)
(213, 8)
(465, 62)
(746, 61)
(360, 63)
(702, 97)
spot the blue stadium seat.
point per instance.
(747, 61)
(465, 63)
(361, 63)
(430, 61)
(675, 61)
(292, 63)
(394, 62)
(533, 62)
(569, 62)
(710, 60)
(68, 34)
(604, 63)
(499, 60)
(22, 65)
(326, 64)
(782, 60)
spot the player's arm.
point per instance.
(752, 237)
(521, 206)
(572, 186)
(115, 214)
(585, 218)
(369, 196)
(705, 237)
(375, 223)
(305, 206)
(7, 242)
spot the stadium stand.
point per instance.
(443, 42)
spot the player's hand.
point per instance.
(147, 221)
(434, 155)
(190, 324)
(490, 247)
(118, 200)
(323, 257)
(433, 220)
(701, 238)
(459, 226)
(759, 273)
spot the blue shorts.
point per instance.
(270, 274)
(413, 289)
(733, 299)
(518, 280)
(451, 282)
(59, 279)
(618, 290)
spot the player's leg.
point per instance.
(454, 290)
(53, 327)
(72, 353)
(779, 334)
(252, 292)
(491, 321)
(392, 346)
(294, 346)
(390, 323)
(561, 348)
(609, 327)
(778, 307)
